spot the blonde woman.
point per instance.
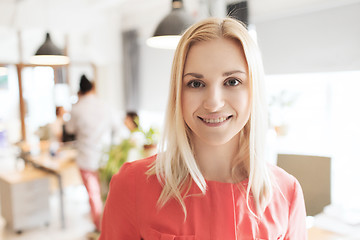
(210, 179)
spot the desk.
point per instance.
(56, 165)
(315, 233)
(330, 226)
(25, 198)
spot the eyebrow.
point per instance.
(225, 74)
(232, 72)
(197, 75)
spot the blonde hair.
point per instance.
(175, 165)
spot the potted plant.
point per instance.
(141, 142)
(151, 140)
(114, 159)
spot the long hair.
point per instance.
(175, 165)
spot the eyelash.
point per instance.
(191, 84)
(238, 81)
(226, 83)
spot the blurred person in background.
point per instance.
(93, 124)
(57, 125)
(131, 121)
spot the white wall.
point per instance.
(155, 71)
(319, 41)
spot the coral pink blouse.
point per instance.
(222, 213)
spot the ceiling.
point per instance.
(82, 15)
(97, 24)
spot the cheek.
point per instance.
(191, 98)
(187, 103)
(240, 100)
(241, 104)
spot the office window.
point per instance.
(38, 92)
(317, 114)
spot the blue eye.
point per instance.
(195, 84)
(232, 82)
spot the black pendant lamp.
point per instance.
(170, 29)
(49, 54)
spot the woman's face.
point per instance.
(129, 123)
(215, 92)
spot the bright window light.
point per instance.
(164, 42)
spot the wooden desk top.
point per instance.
(57, 163)
(25, 175)
(62, 164)
(63, 159)
(315, 233)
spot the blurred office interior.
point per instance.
(310, 53)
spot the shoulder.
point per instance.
(130, 178)
(123, 212)
(100, 105)
(132, 171)
(140, 166)
(285, 184)
(133, 188)
(280, 174)
(77, 107)
(96, 100)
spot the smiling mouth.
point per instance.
(215, 120)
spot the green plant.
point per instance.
(151, 135)
(116, 157)
(118, 154)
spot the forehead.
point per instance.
(214, 54)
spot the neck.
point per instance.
(91, 92)
(215, 162)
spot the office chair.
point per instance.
(314, 176)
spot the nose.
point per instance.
(214, 99)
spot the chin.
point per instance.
(216, 140)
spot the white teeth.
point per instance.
(212, 120)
